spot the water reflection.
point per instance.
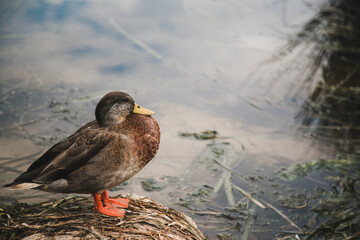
(331, 112)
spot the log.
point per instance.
(74, 218)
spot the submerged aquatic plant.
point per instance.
(336, 212)
(304, 169)
(329, 209)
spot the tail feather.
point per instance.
(22, 186)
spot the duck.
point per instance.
(100, 155)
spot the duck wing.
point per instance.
(67, 156)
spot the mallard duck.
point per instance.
(100, 155)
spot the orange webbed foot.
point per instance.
(114, 212)
(109, 210)
(122, 202)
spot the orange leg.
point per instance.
(107, 210)
(122, 202)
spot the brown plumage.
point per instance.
(100, 155)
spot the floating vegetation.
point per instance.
(150, 185)
(203, 191)
(254, 206)
(225, 236)
(72, 218)
(204, 135)
(217, 161)
(120, 187)
(335, 213)
(295, 201)
(304, 169)
(338, 211)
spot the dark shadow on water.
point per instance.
(328, 88)
(331, 111)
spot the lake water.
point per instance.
(200, 65)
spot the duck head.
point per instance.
(113, 108)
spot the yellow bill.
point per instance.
(143, 111)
